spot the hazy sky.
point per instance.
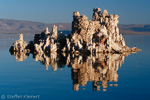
(60, 11)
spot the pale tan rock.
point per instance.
(20, 45)
(21, 37)
(47, 31)
(99, 35)
(38, 48)
(76, 14)
(68, 44)
(104, 13)
(96, 14)
(54, 32)
(53, 46)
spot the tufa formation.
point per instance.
(19, 45)
(94, 50)
(99, 35)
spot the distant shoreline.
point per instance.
(10, 26)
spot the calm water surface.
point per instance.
(58, 78)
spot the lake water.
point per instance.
(66, 77)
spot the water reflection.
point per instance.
(101, 68)
(47, 60)
(19, 56)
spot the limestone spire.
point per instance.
(76, 14)
(104, 13)
(47, 31)
(96, 14)
(54, 31)
(21, 37)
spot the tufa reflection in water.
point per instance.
(99, 68)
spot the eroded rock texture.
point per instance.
(46, 41)
(94, 50)
(99, 35)
(19, 45)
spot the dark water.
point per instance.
(60, 77)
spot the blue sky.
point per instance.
(60, 11)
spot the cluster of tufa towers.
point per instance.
(99, 35)
(93, 50)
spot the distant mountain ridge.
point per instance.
(19, 26)
(30, 27)
(135, 29)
